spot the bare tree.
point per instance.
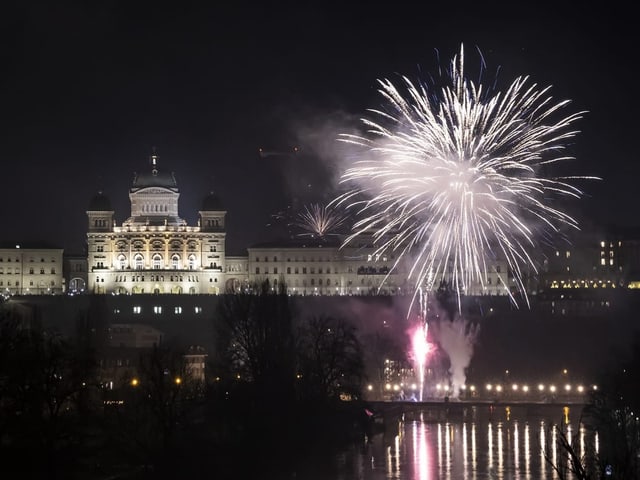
(331, 358)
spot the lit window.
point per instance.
(157, 309)
(603, 261)
(198, 309)
(137, 309)
(157, 262)
(138, 262)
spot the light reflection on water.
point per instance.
(419, 448)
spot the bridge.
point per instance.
(470, 411)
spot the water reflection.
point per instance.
(419, 448)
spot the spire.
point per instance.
(154, 161)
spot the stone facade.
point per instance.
(30, 270)
(154, 250)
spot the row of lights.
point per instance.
(491, 387)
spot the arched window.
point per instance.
(157, 261)
(122, 262)
(175, 262)
(138, 262)
(192, 262)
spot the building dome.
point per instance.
(154, 179)
(212, 203)
(100, 203)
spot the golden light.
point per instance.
(134, 382)
(178, 380)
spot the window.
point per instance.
(53, 271)
(288, 269)
(192, 262)
(257, 270)
(177, 310)
(137, 309)
(275, 270)
(138, 261)
(175, 262)
(122, 262)
(157, 309)
(198, 310)
(31, 270)
(157, 262)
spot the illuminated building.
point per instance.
(155, 250)
(316, 267)
(30, 270)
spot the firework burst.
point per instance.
(454, 177)
(319, 221)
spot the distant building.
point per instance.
(30, 270)
(319, 267)
(154, 250)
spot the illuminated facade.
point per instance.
(154, 250)
(30, 270)
(308, 267)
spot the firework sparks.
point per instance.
(320, 220)
(454, 177)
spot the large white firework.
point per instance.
(455, 177)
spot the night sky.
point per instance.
(88, 90)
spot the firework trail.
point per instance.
(454, 177)
(319, 221)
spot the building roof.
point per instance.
(100, 203)
(154, 178)
(212, 203)
(332, 242)
(28, 246)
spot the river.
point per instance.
(497, 443)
